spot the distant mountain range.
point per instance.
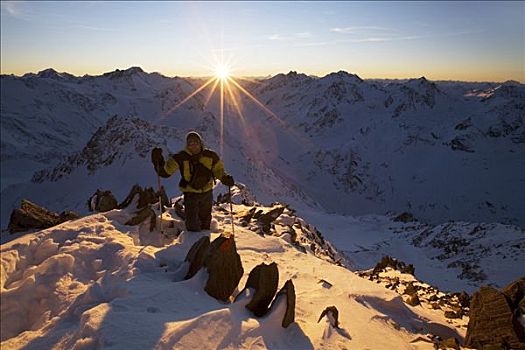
(338, 143)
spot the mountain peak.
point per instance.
(118, 73)
(50, 73)
(343, 75)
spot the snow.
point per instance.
(90, 283)
(376, 146)
(493, 250)
(340, 150)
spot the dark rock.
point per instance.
(388, 261)
(146, 197)
(31, 216)
(222, 262)
(68, 215)
(197, 255)
(450, 343)
(223, 198)
(179, 209)
(331, 310)
(459, 144)
(464, 299)
(435, 306)
(245, 219)
(265, 220)
(102, 201)
(464, 124)
(433, 297)
(413, 300)
(325, 283)
(410, 289)
(405, 217)
(287, 292)
(452, 314)
(515, 292)
(141, 216)
(493, 321)
(224, 268)
(264, 279)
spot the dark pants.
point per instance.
(197, 207)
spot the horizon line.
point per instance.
(267, 76)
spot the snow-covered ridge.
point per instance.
(120, 139)
(97, 282)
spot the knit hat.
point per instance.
(193, 135)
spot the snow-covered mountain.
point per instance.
(441, 150)
(46, 117)
(98, 283)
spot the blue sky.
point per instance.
(440, 40)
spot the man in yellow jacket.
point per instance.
(199, 167)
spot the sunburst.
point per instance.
(230, 91)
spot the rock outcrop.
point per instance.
(494, 318)
(333, 316)
(224, 268)
(286, 295)
(31, 216)
(102, 201)
(146, 196)
(264, 279)
(221, 260)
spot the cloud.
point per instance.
(289, 37)
(93, 28)
(359, 29)
(371, 39)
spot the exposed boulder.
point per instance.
(264, 279)
(265, 220)
(146, 197)
(224, 268)
(515, 292)
(102, 201)
(222, 262)
(413, 300)
(31, 216)
(239, 195)
(142, 215)
(333, 316)
(493, 320)
(286, 295)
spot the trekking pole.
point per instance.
(231, 209)
(160, 197)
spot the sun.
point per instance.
(222, 72)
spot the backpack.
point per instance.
(200, 174)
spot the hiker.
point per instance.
(199, 168)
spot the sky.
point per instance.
(470, 41)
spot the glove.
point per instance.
(157, 159)
(228, 180)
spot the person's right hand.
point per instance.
(157, 159)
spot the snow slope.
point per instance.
(96, 283)
(454, 256)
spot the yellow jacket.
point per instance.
(186, 162)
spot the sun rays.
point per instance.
(230, 95)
